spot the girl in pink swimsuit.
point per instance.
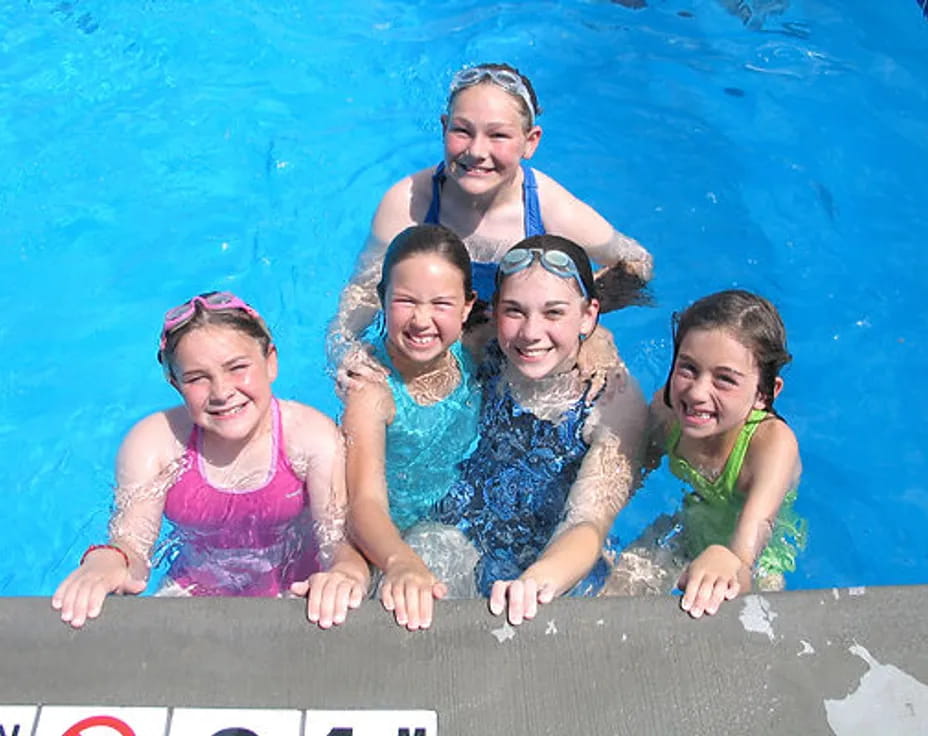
(254, 486)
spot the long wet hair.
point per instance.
(752, 320)
(418, 239)
(527, 115)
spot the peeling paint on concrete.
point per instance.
(887, 700)
(552, 628)
(504, 632)
(757, 616)
(859, 590)
(806, 648)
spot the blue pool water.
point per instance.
(156, 149)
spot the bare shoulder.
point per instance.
(370, 402)
(774, 435)
(404, 204)
(566, 215)
(660, 417)
(307, 429)
(152, 445)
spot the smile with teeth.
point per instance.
(421, 341)
(473, 169)
(699, 416)
(230, 412)
(532, 353)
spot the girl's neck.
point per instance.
(428, 382)
(709, 454)
(547, 397)
(226, 455)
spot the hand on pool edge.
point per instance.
(81, 595)
(715, 576)
(520, 598)
(329, 596)
(409, 590)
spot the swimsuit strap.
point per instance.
(434, 213)
(723, 486)
(530, 204)
(532, 223)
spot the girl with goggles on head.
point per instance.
(484, 192)
(556, 458)
(253, 485)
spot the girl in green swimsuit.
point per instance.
(714, 418)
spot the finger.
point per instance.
(342, 601)
(357, 595)
(400, 610)
(498, 596)
(426, 606)
(703, 596)
(516, 602)
(315, 600)
(546, 593)
(413, 612)
(530, 600)
(300, 588)
(734, 588)
(690, 585)
(718, 595)
(439, 590)
(328, 602)
(387, 597)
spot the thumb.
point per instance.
(134, 586)
(546, 593)
(439, 590)
(300, 587)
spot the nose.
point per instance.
(531, 329)
(220, 390)
(421, 315)
(699, 388)
(479, 147)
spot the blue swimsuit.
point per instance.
(425, 443)
(484, 274)
(512, 490)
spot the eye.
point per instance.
(726, 381)
(502, 136)
(687, 370)
(193, 378)
(512, 311)
(554, 313)
(238, 367)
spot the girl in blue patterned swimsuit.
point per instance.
(406, 434)
(555, 461)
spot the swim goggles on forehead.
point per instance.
(553, 261)
(215, 302)
(509, 81)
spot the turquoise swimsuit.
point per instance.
(426, 443)
(710, 513)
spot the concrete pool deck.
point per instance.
(810, 662)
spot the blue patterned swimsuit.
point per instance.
(512, 490)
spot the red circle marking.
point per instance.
(118, 726)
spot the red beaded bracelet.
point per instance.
(113, 547)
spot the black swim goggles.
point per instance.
(553, 261)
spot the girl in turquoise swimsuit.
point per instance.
(406, 434)
(484, 192)
(715, 420)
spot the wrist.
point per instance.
(106, 547)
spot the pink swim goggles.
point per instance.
(214, 301)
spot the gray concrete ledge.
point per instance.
(764, 664)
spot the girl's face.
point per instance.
(225, 380)
(539, 319)
(484, 138)
(714, 384)
(425, 307)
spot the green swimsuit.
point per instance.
(711, 512)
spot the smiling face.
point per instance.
(425, 308)
(485, 138)
(714, 383)
(539, 319)
(225, 380)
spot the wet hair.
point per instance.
(233, 318)
(752, 320)
(418, 239)
(573, 251)
(527, 115)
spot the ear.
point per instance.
(271, 363)
(468, 306)
(532, 139)
(444, 122)
(764, 402)
(590, 312)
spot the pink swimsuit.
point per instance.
(244, 542)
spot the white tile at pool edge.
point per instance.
(17, 720)
(212, 721)
(372, 722)
(59, 720)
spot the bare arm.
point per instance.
(148, 463)
(771, 468)
(408, 585)
(316, 452)
(572, 218)
(604, 484)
